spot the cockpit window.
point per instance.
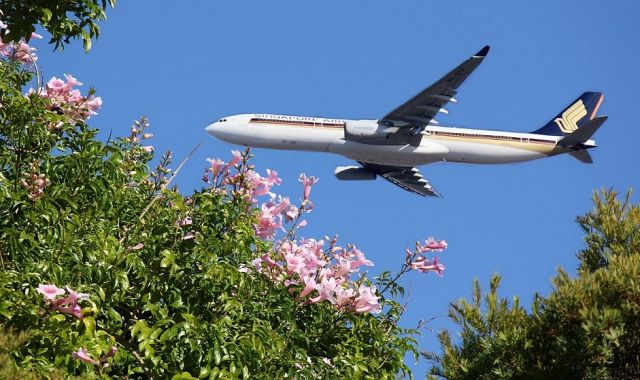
(222, 120)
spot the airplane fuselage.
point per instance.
(437, 144)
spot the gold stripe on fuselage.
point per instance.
(533, 145)
(540, 146)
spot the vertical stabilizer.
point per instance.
(576, 115)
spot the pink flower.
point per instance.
(137, 247)
(327, 290)
(433, 245)
(185, 222)
(307, 183)
(291, 213)
(55, 85)
(190, 235)
(267, 223)
(83, 355)
(367, 301)
(423, 265)
(71, 82)
(237, 157)
(309, 286)
(360, 260)
(148, 148)
(344, 297)
(216, 164)
(295, 263)
(272, 177)
(50, 292)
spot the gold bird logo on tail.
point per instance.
(568, 123)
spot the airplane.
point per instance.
(409, 136)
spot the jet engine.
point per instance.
(353, 173)
(362, 127)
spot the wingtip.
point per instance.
(483, 52)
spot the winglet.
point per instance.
(483, 52)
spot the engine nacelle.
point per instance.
(362, 128)
(353, 173)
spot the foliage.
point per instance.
(612, 228)
(587, 328)
(65, 20)
(166, 279)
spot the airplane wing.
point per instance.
(414, 115)
(407, 178)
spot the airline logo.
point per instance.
(568, 123)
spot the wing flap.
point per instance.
(407, 178)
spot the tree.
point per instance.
(107, 271)
(587, 328)
(65, 20)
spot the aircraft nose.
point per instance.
(213, 128)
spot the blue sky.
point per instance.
(188, 64)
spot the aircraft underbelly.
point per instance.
(400, 155)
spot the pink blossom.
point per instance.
(35, 35)
(272, 176)
(433, 245)
(423, 265)
(216, 165)
(267, 223)
(187, 221)
(83, 355)
(309, 286)
(50, 292)
(137, 247)
(344, 297)
(71, 82)
(291, 213)
(302, 223)
(148, 148)
(237, 157)
(327, 290)
(307, 183)
(367, 301)
(190, 235)
(360, 260)
(295, 263)
(55, 85)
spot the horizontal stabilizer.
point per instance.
(584, 133)
(582, 156)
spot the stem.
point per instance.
(175, 173)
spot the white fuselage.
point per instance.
(437, 144)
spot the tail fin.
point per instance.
(574, 116)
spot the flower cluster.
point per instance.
(34, 183)
(315, 274)
(68, 101)
(246, 183)
(64, 305)
(417, 260)
(18, 51)
(138, 134)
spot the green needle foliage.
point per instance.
(587, 328)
